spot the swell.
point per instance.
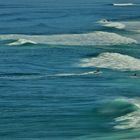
(19, 76)
(117, 116)
(119, 113)
(6, 14)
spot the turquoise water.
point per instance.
(49, 53)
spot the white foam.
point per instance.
(112, 61)
(123, 4)
(111, 24)
(93, 38)
(132, 26)
(21, 42)
(130, 120)
(76, 74)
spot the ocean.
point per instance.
(70, 70)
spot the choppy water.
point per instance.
(49, 53)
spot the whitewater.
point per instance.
(70, 70)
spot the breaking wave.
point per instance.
(123, 4)
(93, 38)
(76, 74)
(131, 119)
(21, 42)
(111, 24)
(112, 61)
(123, 113)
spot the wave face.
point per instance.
(130, 115)
(112, 61)
(94, 38)
(132, 26)
(125, 113)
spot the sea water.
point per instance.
(70, 70)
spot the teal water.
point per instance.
(49, 53)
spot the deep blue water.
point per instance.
(49, 53)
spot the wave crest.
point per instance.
(22, 42)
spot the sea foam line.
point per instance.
(93, 38)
